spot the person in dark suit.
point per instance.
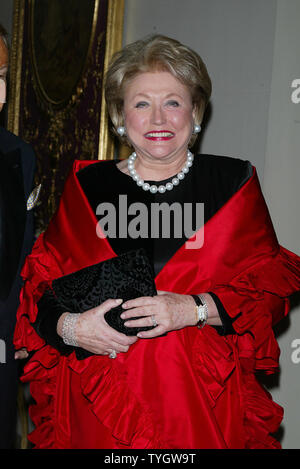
(17, 165)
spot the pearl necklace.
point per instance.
(162, 188)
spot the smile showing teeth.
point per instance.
(159, 134)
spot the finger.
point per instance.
(119, 337)
(142, 300)
(115, 335)
(143, 322)
(99, 347)
(156, 332)
(117, 347)
(108, 304)
(137, 312)
(109, 351)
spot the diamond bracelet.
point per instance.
(68, 329)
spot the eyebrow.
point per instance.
(166, 97)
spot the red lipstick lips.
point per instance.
(159, 135)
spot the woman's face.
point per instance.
(158, 114)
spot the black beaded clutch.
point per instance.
(127, 276)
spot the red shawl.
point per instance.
(189, 389)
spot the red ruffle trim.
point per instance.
(109, 397)
(38, 271)
(215, 361)
(257, 299)
(262, 416)
(115, 405)
(107, 392)
(279, 275)
(41, 372)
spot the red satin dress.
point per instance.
(190, 389)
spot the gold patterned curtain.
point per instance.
(60, 50)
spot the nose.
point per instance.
(158, 115)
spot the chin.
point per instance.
(160, 153)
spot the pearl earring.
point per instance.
(197, 129)
(121, 131)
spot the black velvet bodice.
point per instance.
(211, 181)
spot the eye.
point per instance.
(173, 103)
(141, 104)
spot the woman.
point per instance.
(176, 385)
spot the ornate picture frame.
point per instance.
(59, 54)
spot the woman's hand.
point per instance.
(21, 354)
(95, 335)
(171, 311)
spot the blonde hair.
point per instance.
(156, 53)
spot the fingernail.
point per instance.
(119, 301)
(124, 305)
